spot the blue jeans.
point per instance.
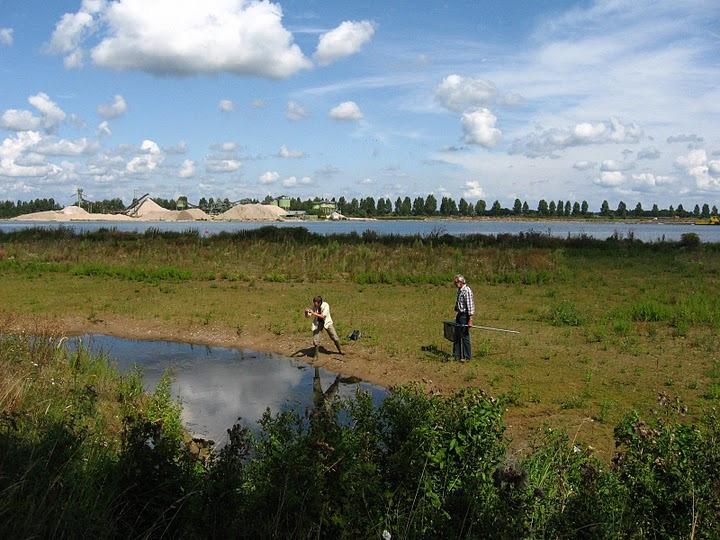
(461, 345)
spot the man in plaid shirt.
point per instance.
(464, 311)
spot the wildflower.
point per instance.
(386, 535)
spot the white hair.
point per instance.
(459, 278)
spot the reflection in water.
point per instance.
(217, 385)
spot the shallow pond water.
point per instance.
(217, 385)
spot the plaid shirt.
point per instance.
(465, 302)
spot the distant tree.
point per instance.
(576, 209)
(418, 207)
(463, 207)
(714, 211)
(480, 208)
(406, 207)
(605, 209)
(398, 206)
(560, 208)
(552, 208)
(705, 210)
(621, 209)
(367, 206)
(431, 205)
(342, 205)
(543, 207)
(655, 210)
(584, 208)
(496, 209)
(517, 207)
(696, 210)
(445, 207)
(671, 210)
(638, 212)
(680, 211)
(354, 207)
(525, 208)
(268, 199)
(567, 208)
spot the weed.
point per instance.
(574, 401)
(565, 314)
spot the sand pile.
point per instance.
(253, 212)
(148, 209)
(336, 216)
(71, 213)
(193, 214)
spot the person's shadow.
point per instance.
(309, 352)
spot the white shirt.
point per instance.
(325, 312)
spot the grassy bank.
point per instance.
(85, 452)
(606, 326)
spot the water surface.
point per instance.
(217, 385)
(645, 231)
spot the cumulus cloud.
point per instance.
(150, 158)
(244, 37)
(648, 153)
(690, 138)
(19, 120)
(649, 180)
(479, 128)
(473, 190)
(112, 110)
(226, 106)
(222, 165)
(612, 165)
(103, 129)
(6, 36)
(584, 165)
(14, 149)
(295, 111)
(547, 143)
(187, 170)
(293, 182)
(286, 153)
(345, 40)
(347, 111)
(459, 93)
(610, 179)
(705, 172)
(269, 177)
(65, 147)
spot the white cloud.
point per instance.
(295, 111)
(269, 177)
(117, 108)
(584, 165)
(473, 190)
(244, 37)
(285, 153)
(187, 170)
(547, 142)
(648, 153)
(226, 106)
(293, 182)
(6, 36)
(65, 147)
(19, 120)
(610, 179)
(345, 40)
(52, 115)
(705, 172)
(228, 146)
(257, 104)
(222, 165)
(650, 180)
(12, 151)
(74, 60)
(347, 111)
(612, 165)
(367, 181)
(149, 160)
(690, 138)
(459, 93)
(479, 128)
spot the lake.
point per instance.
(217, 385)
(644, 231)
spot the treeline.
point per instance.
(9, 209)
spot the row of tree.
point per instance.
(402, 207)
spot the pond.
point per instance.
(646, 231)
(217, 385)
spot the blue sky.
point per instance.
(616, 99)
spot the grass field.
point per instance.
(606, 326)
